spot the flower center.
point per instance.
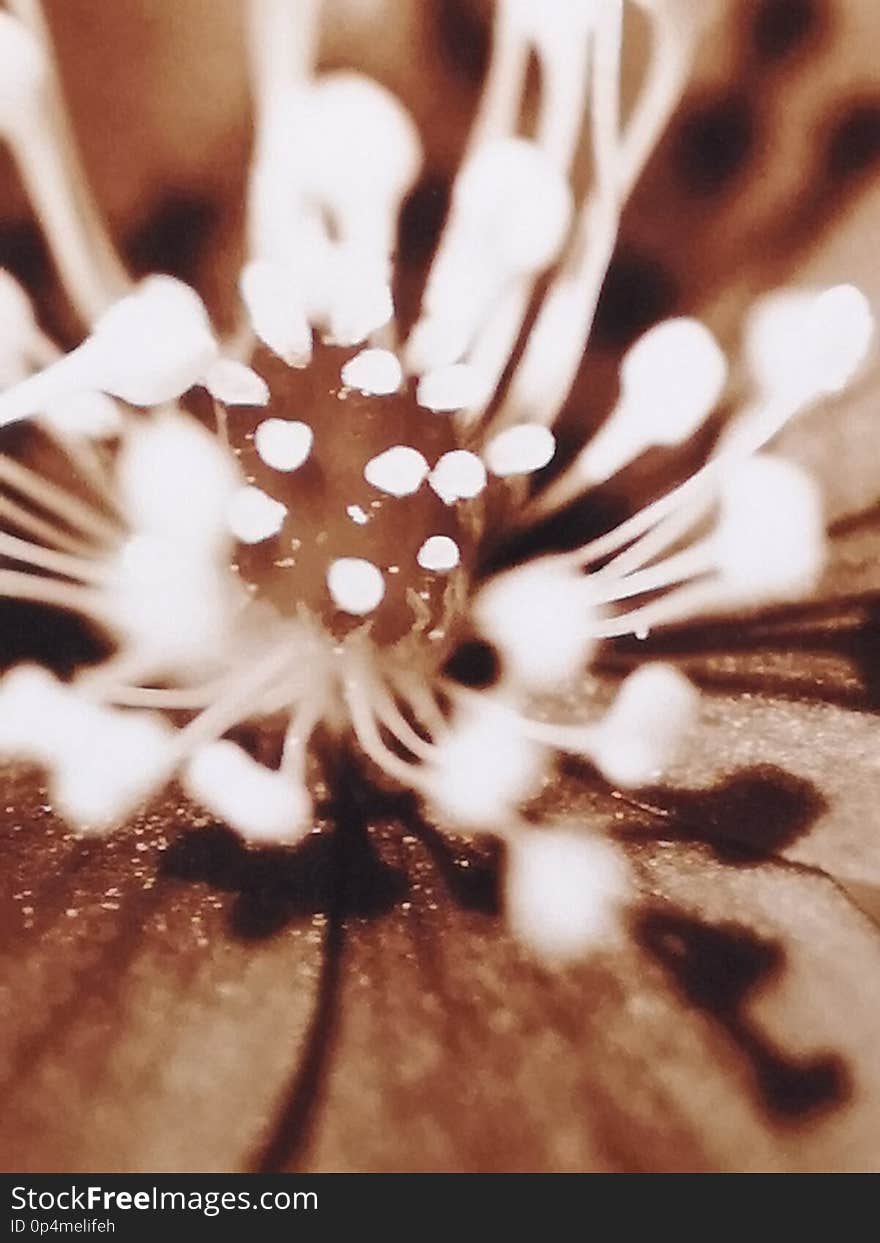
(350, 508)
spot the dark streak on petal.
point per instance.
(718, 969)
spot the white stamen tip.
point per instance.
(563, 891)
(770, 541)
(439, 553)
(276, 316)
(484, 766)
(253, 516)
(149, 348)
(103, 762)
(283, 444)
(399, 471)
(347, 145)
(260, 804)
(356, 586)
(356, 296)
(847, 323)
(539, 616)
(176, 481)
(678, 371)
(520, 450)
(34, 714)
(455, 387)
(458, 476)
(148, 572)
(113, 762)
(510, 213)
(152, 345)
(373, 372)
(802, 345)
(642, 731)
(671, 380)
(512, 199)
(235, 384)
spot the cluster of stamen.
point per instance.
(285, 530)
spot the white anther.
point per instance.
(511, 199)
(520, 450)
(801, 345)
(439, 554)
(171, 601)
(539, 617)
(175, 481)
(234, 384)
(484, 766)
(458, 476)
(262, 805)
(671, 380)
(253, 516)
(399, 471)
(35, 714)
(277, 315)
(352, 296)
(148, 349)
(113, 761)
(356, 586)
(510, 214)
(770, 541)
(102, 761)
(283, 444)
(373, 372)
(643, 730)
(562, 891)
(456, 387)
(347, 145)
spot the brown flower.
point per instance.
(185, 1001)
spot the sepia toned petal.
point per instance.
(157, 989)
(706, 1041)
(263, 995)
